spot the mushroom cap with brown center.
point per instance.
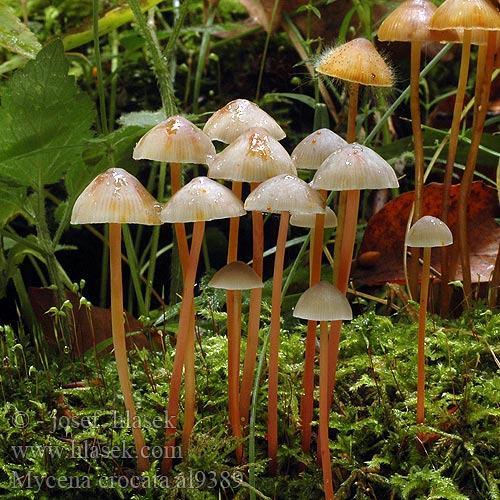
(253, 157)
(356, 61)
(323, 302)
(285, 193)
(175, 140)
(429, 231)
(236, 117)
(116, 196)
(202, 199)
(236, 276)
(313, 149)
(354, 167)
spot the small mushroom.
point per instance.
(426, 233)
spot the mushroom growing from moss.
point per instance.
(426, 233)
(235, 277)
(281, 194)
(116, 197)
(323, 302)
(200, 200)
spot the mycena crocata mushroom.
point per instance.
(281, 194)
(200, 200)
(116, 197)
(350, 169)
(307, 400)
(253, 157)
(323, 302)
(427, 233)
(235, 277)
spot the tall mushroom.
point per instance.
(426, 233)
(116, 197)
(281, 194)
(323, 302)
(200, 200)
(235, 277)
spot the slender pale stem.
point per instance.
(233, 365)
(184, 331)
(424, 295)
(418, 145)
(120, 346)
(485, 60)
(253, 316)
(324, 411)
(274, 343)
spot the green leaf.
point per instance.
(15, 36)
(45, 121)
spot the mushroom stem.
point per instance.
(183, 335)
(274, 342)
(119, 343)
(307, 401)
(418, 145)
(485, 60)
(233, 365)
(424, 295)
(324, 411)
(253, 317)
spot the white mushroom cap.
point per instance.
(309, 220)
(175, 140)
(354, 167)
(311, 151)
(238, 116)
(253, 157)
(115, 196)
(202, 199)
(285, 193)
(236, 276)
(323, 302)
(429, 231)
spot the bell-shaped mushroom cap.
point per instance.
(466, 14)
(236, 276)
(316, 147)
(323, 302)
(202, 199)
(238, 116)
(175, 140)
(356, 61)
(354, 167)
(429, 231)
(115, 196)
(254, 156)
(285, 193)
(309, 220)
(409, 22)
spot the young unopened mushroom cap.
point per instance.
(253, 157)
(285, 193)
(354, 167)
(323, 302)
(410, 22)
(356, 61)
(175, 140)
(236, 276)
(202, 199)
(238, 116)
(429, 231)
(466, 14)
(115, 196)
(309, 220)
(316, 147)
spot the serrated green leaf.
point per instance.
(15, 36)
(45, 121)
